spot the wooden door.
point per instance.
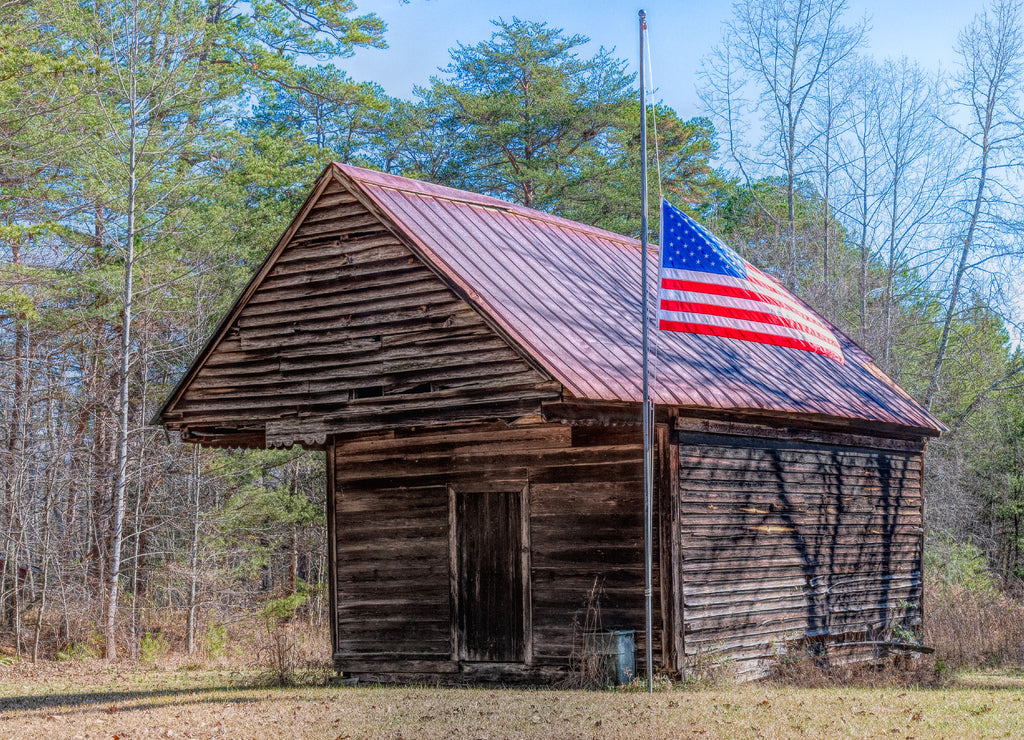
(489, 578)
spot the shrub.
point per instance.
(216, 640)
(964, 565)
(78, 651)
(284, 608)
(89, 646)
(151, 647)
(968, 620)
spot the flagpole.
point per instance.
(648, 407)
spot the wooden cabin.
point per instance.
(471, 369)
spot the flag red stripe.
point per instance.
(734, 292)
(743, 314)
(759, 278)
(750, 336)
(712, 288)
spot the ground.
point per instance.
(88, 699)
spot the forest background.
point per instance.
(152, 151)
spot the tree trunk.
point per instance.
(121, 463)
(193, 555)
(791, 214)
(958, 276)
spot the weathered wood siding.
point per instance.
(349, 331)
(392, 572)
(587, 529)
(585, 526)
(783, 539)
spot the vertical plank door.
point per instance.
(490, 578)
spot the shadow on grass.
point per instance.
(120, 701)
(990, 682)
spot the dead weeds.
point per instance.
(901, 671)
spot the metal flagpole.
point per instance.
(648, 406)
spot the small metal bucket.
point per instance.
(615, 652)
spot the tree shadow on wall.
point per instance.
(840, 524)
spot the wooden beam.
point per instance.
(458, 646)
(332, 545)
(525, 565)
(666, 489)
(799, 433)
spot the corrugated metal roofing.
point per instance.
(569, 295)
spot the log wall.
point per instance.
(349, 331)
(771, 541)
(391, 528)
(785, 539)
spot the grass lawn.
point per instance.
(86, 699)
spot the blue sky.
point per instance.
(421, 32)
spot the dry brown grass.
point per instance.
(974, 627)
(292, 653)
(88, 699)
(894, 671)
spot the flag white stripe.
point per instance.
(770, 294)
(698, 276)
(741, 325)
(743, 304)
(769, 284)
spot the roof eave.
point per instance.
(627, 413)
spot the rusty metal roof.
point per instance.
(569, 296)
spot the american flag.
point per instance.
(706, 288)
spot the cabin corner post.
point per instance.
(676, 573)
(527, 577)
(526, 565)
(920, 558)
(667, 484)
(332, 548)
(455, 634)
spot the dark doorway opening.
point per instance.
(489, 575)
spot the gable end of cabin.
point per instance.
(347, 329)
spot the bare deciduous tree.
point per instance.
(769, 67)
(917, 158)
(989, 129)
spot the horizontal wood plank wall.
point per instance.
(392, 572)
(587, 528)
(586, 524)
(782, 540)
(350, 331)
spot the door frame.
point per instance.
(458, 639)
